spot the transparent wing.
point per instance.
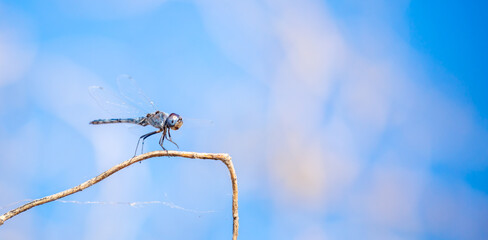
(114, 104)
(129, 89)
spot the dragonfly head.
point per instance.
(174, 121)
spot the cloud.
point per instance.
(454, 210)
(392, 198)
(342, 121)
(338, 123)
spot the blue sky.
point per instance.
(452, 34)
(345, 119)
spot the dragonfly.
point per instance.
(133, 95)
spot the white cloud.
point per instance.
(335, 107)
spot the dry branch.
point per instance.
(225, 158)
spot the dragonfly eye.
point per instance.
(174, 121)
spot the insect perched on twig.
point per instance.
(160, 120)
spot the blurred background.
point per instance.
(345, 119)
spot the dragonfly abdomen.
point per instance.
(140, 121)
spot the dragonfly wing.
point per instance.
(113, 103)
(130, 90)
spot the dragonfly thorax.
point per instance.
(156, 119)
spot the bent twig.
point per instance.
(225, 158)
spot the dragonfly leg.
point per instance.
(171, 140)
(161, 140)
(143, 137)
